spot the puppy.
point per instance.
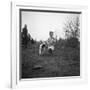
(42, 48)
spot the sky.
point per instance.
(39, 24)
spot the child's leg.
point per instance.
(50, 49)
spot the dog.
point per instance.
(42, 48)
(45, 47)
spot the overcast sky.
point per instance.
(40, 23)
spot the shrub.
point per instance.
(72, 42)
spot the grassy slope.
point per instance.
(64, 62)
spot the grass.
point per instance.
(65, 61)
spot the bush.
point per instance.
(72, 42)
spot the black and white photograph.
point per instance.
(49, 43)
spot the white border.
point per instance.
(15, 82)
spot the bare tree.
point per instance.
(72, 28)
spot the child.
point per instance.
(51, 42)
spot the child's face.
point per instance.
(51, 34)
